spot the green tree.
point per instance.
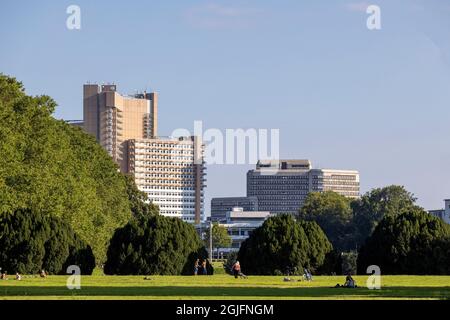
(283, 245)
(412, 242)
(373, 206)
(154, 244)
(333, 214)
(138, 199)
(57, 169)
(220, 237)
(31, 242)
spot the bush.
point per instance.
(282, 245)
(332, 263)
(31, 242)
(155, 244)
(413, 242)
(349, 262)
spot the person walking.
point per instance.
(236, 269)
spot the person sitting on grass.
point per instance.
(18, 276)
(4, 276)
(205, 271)
(43, 274)
(307, 275)
(196, 266)
(349, 282)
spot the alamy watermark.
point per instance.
(235, 146)
(374, 20)
(374, 280)
(74, 281)
(73, 21)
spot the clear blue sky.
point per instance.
(341, 95)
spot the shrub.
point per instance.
(413, 242)
(31, 242)
(155, 244)
(282, 245)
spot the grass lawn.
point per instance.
(222, 287)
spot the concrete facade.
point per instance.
(170, 170)
(282, 186)
(220, 206)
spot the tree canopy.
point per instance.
(333, 214)
(31, 242)
(57, 169)
(413, 242)
(283, 245)
(373, 206)
(154, 244)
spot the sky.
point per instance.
(341, 95)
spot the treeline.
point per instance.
(334, 234)
(64, 202)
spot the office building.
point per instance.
(170, 170)
(114, 118)
(443, 214)
(172, 173)
(240, 225)
(282, 186)
(220, 206)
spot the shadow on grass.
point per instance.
(250, 292)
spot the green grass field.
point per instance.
(223, 287)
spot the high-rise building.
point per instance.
(114, 119)
(170, 170)
(282, 186)
(172, 173)
(220, 206)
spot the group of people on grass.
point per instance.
(18, 276)
(200, 267)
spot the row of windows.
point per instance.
(277, 177)
(165, 163)
(173, 151)
(175, 206)
(165, 145)
(168, 175)
(156, 157)
(174, 194)
(174, 170)
(277, 187)
(147, 187)
(172, 200)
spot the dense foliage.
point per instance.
(283, 245)
(347, 223)
(57, 169)
(413, 242)
(333, 214)
(31, 242)
(373, 206)
(154, 244)
(138, 199)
